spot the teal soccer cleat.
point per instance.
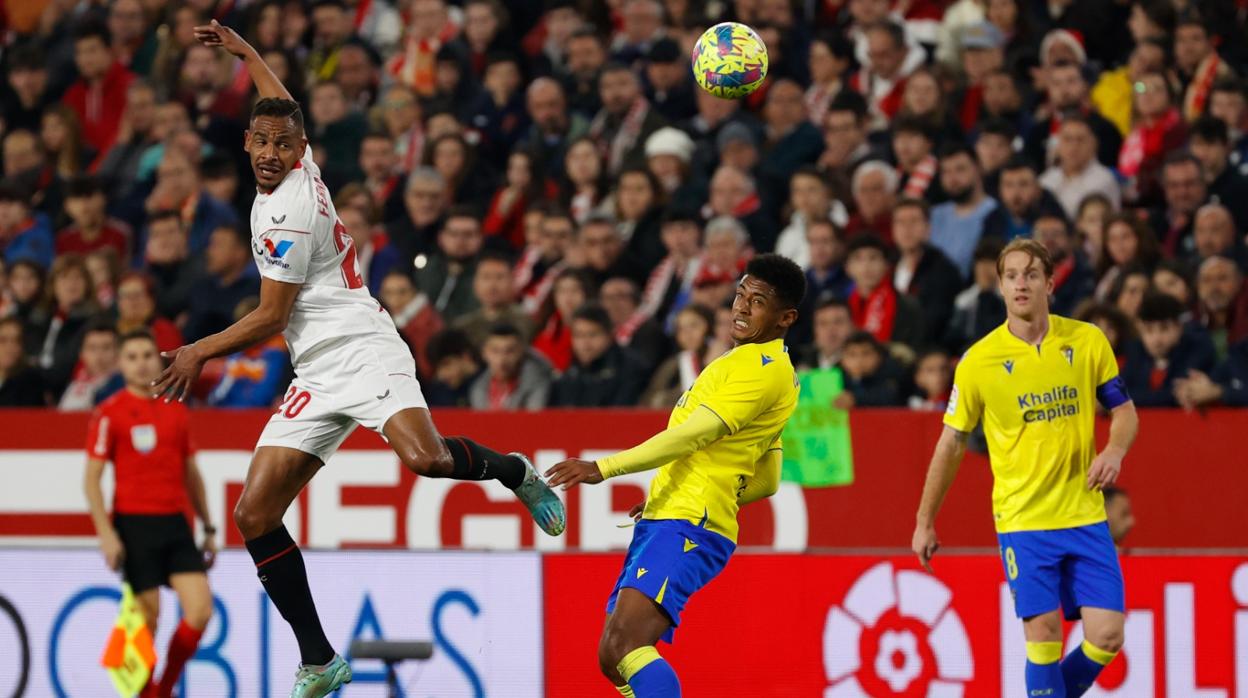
(315, 682)
(545, 506)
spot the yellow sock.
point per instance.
(626, 691)
(1097, 654)
(636, 660)
(1044, 652)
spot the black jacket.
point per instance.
(1232, 375)
(25, 389)
(935, 284)
(1194, 350)
(615, 379)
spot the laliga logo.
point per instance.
(894, 634)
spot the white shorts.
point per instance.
(360, 380)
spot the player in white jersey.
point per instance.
(351, 367)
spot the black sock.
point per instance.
(476, 462)
(280, 568)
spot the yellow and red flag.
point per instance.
(129, 655)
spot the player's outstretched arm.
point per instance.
(701, 429)
(766, 478)
(946, 458)
(267, 84)
(269, 318)
(1124, 425)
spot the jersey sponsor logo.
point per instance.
(1009, 366)
(1054, 403)
(279, 250)
(271, 253)
(143, 437)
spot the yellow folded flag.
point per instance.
(129, 655)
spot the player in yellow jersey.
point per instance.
(721, 449)
(1036, 381)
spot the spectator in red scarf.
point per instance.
(882, 77)
(515, 377)
(504, 220)
(1198, 62)
(626, 120)
(1066, 92)
(429, 28)
(734, 194)
(913, 145)
(1158, 130)
(874, 304)
(136, 310)
(830, 57)
(572, 289)
(100, 90)
(90, 228)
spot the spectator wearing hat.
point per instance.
(24, 234)
(1166, 351)
(1222, 296)
(553, 125)
(871, 378)
(983, 51)
(101, 86)
(923, 272)
(1210, 143)
(601, 373)
(810, 200)
(626, 120)
(958, 224)
(667, 81)
(669, 152)
(913, 145)
(1077, 174)
(90, 227)
(1113, 95)
(875, 304)
(1066, 92)
(515, 376)
(1022, 199)
(791, 140)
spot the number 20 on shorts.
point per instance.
(294, 402)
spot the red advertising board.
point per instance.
(833, 626)
(1187, 475)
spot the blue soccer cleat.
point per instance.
(317, 681)
(545, 506)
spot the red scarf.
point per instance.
(875, 313)
(1202, 84)
(1145, 142)
(920, 179)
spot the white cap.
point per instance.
(670, 141)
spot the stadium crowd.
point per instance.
(555, 215)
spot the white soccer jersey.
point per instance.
(296, 237)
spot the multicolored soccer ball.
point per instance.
(730, 60)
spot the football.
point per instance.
(730, 60)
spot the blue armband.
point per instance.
(1113, 393)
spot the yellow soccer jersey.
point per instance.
(1039, 410)
(753, 389)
